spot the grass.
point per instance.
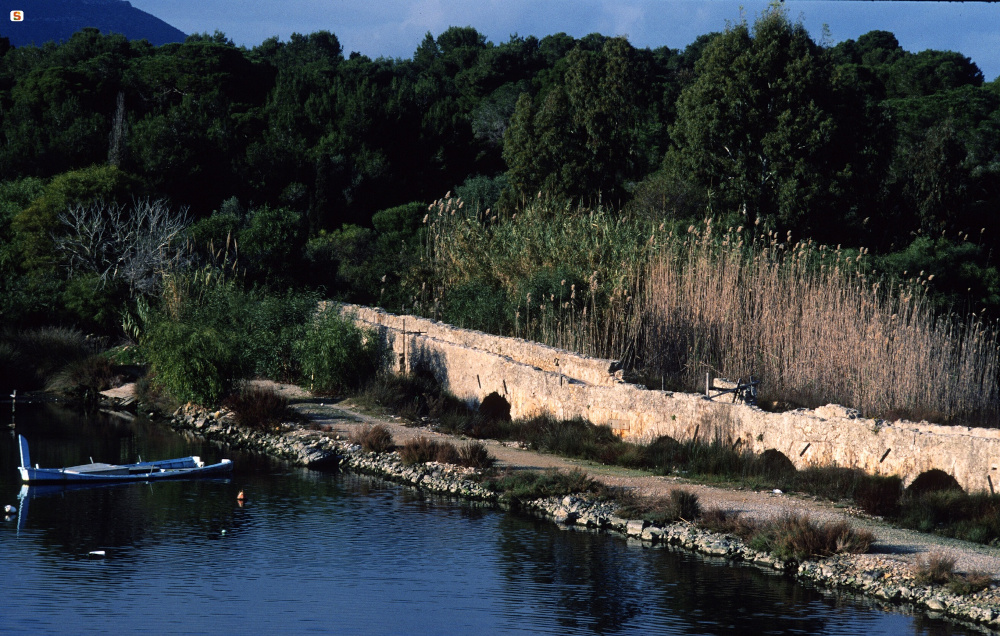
(797, 537)
(937, 568)
(815, 326)
(84, 377)
(814, 321)
(520, 486)
(32, 358)
(679, 505)
(373, 438)
(475, 455)
(422, 449)
(411, 397)
(259, 408)
(968, 516)
(791, 537)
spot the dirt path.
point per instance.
(892, 544)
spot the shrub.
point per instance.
(684, 504)
(259, 408)
(797, 537)
(475, 455)
(411, 396)
(419, 450)
(195, 362)
(727, 522)
(518, 486)
(84, 378)
(936, 567)
(336, 355)
(970, 583)
(447, 454)
(374, 439)
(39, 354)
(879, 495)
(679, 505)
(150, 395)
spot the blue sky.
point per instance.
(394, 28)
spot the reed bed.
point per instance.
(567, 275)
(809, 321)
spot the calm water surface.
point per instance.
(336, 553)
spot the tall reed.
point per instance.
(569, 273)
(809, 321)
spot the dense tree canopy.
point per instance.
(311, 158)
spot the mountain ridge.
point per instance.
(58, 20)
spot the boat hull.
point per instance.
(58, 475)
(180, 468)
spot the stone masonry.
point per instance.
(537, 379)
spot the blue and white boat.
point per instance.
(96, 472)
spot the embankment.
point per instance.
(887, 580)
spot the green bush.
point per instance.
(195, 362)
(337, 356)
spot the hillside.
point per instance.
(57, 20)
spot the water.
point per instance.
(336, 553)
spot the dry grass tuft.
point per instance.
(936, 567)
(475, 455)
(374, 439)
(259, 408)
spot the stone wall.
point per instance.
(537, 379)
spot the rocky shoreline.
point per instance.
(879, 577)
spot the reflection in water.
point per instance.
(312, 552)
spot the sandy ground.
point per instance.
(895, 544)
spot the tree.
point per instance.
(134, 244)
(576, 139)
(767, 130)
(37, 227)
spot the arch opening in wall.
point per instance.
(495, 408)
(776, 463)
(932, 480)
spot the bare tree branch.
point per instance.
(134, 244)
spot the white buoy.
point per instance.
(9, 509)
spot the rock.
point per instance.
(936, 604)
(564, 516)
(635, 527)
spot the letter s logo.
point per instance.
(17, 16)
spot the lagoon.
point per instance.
(312, 552)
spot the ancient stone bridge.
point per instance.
(537, 379)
